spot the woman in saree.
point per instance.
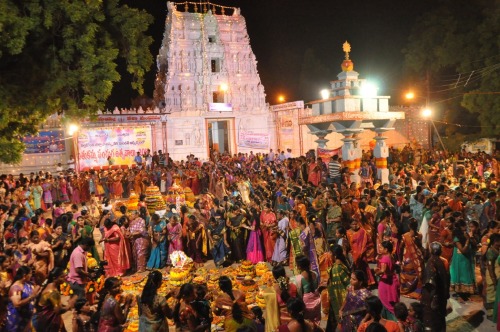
(284, 290)
(116, 252)
(314, 172)
(325, 259)
(338, 280)
(446, 239)
(308, 246)
(307, 282)
(140, 241)
(153, 307)
(138, 183)
(47, 194)
(237, 223)
(268, 225)
(49, 309)
(231, 304)
(111, 314)
(195, 181)
(255, 252)
(75, 190)
(158, 234)
(217, 235)
(417, 204)
(384, 232)
(196, 241)
(353, 308)
(492, 274)
(174, 231)
(366, 220)
(463, 279)
(359, 242)
(295, 245)
(84, 187)
(44, 257)
(22, 293)
(22, 256)
(186, 317)
(60, 244)
(83, 230)
(388, 285)
(220, 188)
(412, 260)
(37, 192)
(280, 253)
(63, 188)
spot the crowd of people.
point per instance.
(332, 243)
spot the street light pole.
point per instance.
(427, 101)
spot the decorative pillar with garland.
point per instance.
(381, 150)
(351, 155)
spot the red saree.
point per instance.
(359, 242)
(268, 222)
(116, 253)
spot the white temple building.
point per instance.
(208, 84)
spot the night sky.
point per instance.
(282, 32)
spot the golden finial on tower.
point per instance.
(347, 64)
(347, 49)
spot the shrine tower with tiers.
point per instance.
(347, 111)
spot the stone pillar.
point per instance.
(381, 152)
(321, 138)
(357, 161)
(349, 155)
(321, 131)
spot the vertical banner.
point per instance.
(95, 145)
(326, 154)
(286, 132)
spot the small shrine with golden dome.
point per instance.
(349, 107)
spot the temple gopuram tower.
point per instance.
(208, 84)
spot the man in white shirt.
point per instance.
(148, 158)
(270, 156)
(288, 153)
(71, 163)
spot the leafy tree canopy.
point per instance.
(61, 56)
(458, 44)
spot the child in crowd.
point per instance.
(260, 322)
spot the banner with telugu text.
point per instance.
(326, 154)
(253, 140)
(95, 145)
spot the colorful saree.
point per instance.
(295, 248)
(116, 253)
(354, 309)
(359, 242)
(412, 265)
(140, 244)
(175, 237)
(309, 249)
(218, 248)
(158, 257)
(339, 279)
(45, 318)
(19, 318)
